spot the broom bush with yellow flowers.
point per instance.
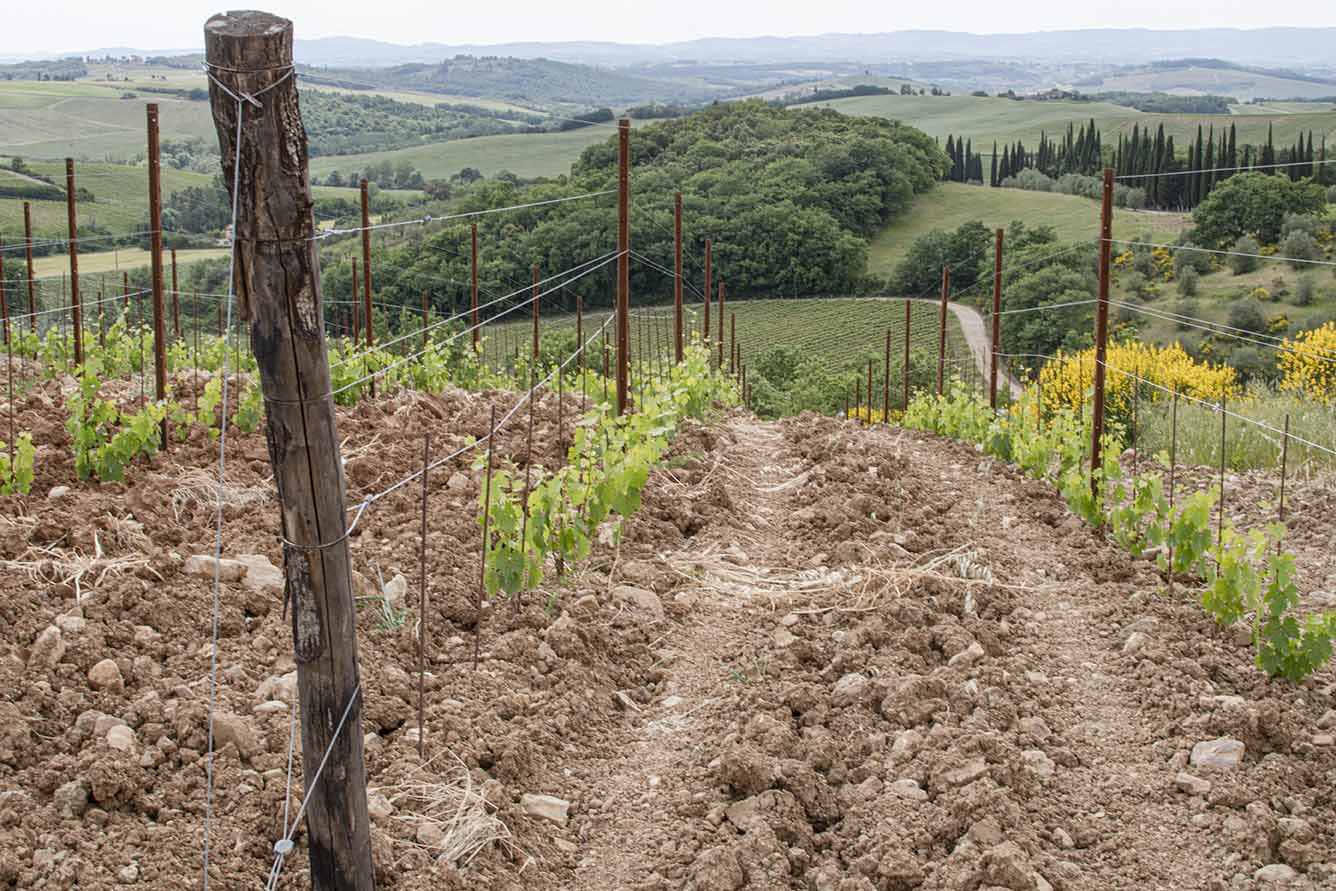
(1067, 379)
(1308, 364)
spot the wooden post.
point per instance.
(366, 275)
(909, 308)
(155, 248)
(76, 311)
(723, 289)
(426, 314)
(997, 320)
(356, 308)
(4, 300)
(535, 314)
(176, 300)
(278, 290)
(27, 246)
(677, 276)
(941, 331)
(1101, 329)
(623, 258)
(886, 383)
(473, 317)
(733, 341)
(869, 391)
(709, 290)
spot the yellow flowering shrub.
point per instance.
(1068, 379)
(1311, 368)
(1261, 294)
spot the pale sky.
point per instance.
(71, 25)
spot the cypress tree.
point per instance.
(992, 173)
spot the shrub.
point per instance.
(1299, 222)
(1066, 379)
(1331, 195)
(1244, 265)
(1300, 246)
(1247, 315)
(1305, 290)
(1309, 365)
(1030, 180)
(1188, 280)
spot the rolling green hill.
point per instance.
(1216, 78)
(527, 155)
(951, 204)
(984, 119)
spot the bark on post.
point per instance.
(366, 276)
(278, 292)
(722, 290)
(76, 311)
(155, 247)
(623, 259)
(473, 315)
(997, 321)
(176, 300)
(677, 277)
(27, 246)
(941, 331)
(709, 292)
(909, 309)
(535, 314)
(1102, 330)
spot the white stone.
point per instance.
(458, 480)
(1186, 782)
(848, 690)
(430, 834)
(783, 637)
(71, 624)
(1217, 754)
(973, 653)
(396, 590)
(908, 789)
(1275, 874)
(261, 575)
(1135, 643)
(546, 807)
(204, 565)
(48, 649)
(121, 738)
(965, 774)
(1037, 764)
(106, 675)
(378, 806)
(58, 492)
(128, 875)
(640, 600)
(230, 728)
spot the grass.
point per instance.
(87, 120)
(120, 193)
(840, 330)
(524, 154)
(120, 259)
(951, 204)
(1006, 120)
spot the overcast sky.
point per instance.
(70, 25)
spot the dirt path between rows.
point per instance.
(901, 664)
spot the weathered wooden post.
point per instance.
(1102, 330)
(941, 331)
(997, 321)
(27, 242)
(155, 246)
(623, 259)
(76, 315)
(677, 277)
(278, 289)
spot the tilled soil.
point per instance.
(822, 657)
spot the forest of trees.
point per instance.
(789, 197)
(1142, 160)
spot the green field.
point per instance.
(984, 119)
(87, 120)
(839, 329)
(951, 204)
(120, 193)
(116, 260)
(527, 155)
(1234, 82)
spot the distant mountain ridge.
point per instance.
(1282, 46)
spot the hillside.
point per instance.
(532, 81)
(984, 119)
(951, 204)
(1211, 77)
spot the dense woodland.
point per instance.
(790, 199)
